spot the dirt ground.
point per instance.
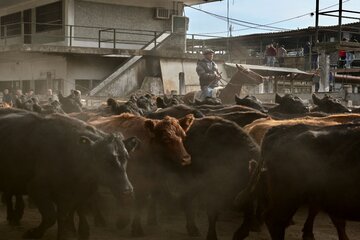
(172, 226)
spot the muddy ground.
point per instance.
(172, 226)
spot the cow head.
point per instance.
(146, 103)
(168, 135)
(250, 101)
(289, 104)
(329, 104)
(110, 155)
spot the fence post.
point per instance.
(70, 40)
(155, 37)
(5, 35)
(192, 43)
(100, 38)
(22, 31)
(114, 31)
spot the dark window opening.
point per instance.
(11, 25)
(85, 86)
(49, 17)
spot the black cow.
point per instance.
(250, 101)
(208, 101)
(164, 102)
(315, 165)
(223, 109)
(128, 107)
(243, 118)
(177, 111)
(328, 104)
(289, 104)
(61, 161)
(220, 152)
(71, 103)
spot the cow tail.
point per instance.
(257, 171)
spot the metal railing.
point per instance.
(75, 35)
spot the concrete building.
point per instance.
(101, 47)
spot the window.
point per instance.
(11, 24)
(49, 17)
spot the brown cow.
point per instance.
(258, 128)
(160, 140)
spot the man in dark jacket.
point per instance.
(208, 73)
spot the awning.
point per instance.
(288, 73)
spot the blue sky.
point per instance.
(263, 12)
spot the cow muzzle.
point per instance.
(186, 160)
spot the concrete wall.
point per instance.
(127, 82)
(34, 66)
(89, 68)
(116, 16)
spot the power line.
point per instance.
(262, 25)
(237, 21)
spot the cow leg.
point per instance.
(340, 225)
(14, 213)
(18, 210)
(95, 203)
(7, 199)
(152, 210)
(136, 227)
(212, 218)
(65, 219)
(48, 217)
(278, 217)
(243, 231)
(308, 229)
(84, 229)
(186, 203)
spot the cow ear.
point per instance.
(85, 140)
(150, 125)
(186, 122)
(315, 99)
(131, 143)
(278, 98)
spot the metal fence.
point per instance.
(75, 35)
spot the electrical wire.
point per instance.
(261, 25)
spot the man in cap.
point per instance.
(208, 73)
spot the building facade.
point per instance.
(78, 44)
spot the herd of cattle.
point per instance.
(265, 162)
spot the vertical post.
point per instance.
(22, 27)
(311, 50)
(182, 83)
(5, 34)
(114, 32)
(192, 43)
(100, 38)
(70, 40)
(155, 37)
(340, 16)
(317, 21)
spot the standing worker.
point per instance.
(281, 54)
(208, 73)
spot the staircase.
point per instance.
(154, 44)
